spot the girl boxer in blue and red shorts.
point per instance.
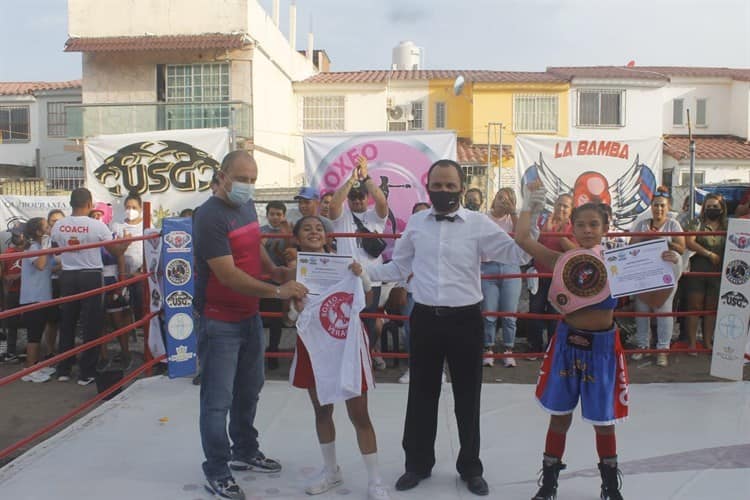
(585, 359)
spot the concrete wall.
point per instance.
(104, 18)
(458, 112)
(643, 111)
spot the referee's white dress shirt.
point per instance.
(445, 257)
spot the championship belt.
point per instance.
(579, 280)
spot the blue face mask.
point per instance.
(241, 192)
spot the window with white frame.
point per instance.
(700, 113)
(199, 90)
(601, 108)
(440, 114)
(14, 124)
(535, 113)
(678, 112)
(56, 118)
(700, 178)
(417, 113)
(323, 112)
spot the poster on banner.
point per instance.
(172, 169)
(15, 209)
(176, 268)
(397, 162)
(733, 311)
(622, 173)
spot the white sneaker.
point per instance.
(509, 362)
(324, 481)
(637, 356)
(404, 379)
(378, 363)
(47, 370)
(662, 359)
(376, 491)
(489, 362)
(37, 377)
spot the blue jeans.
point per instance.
(664, 324)
(500, 295)
(231, 356)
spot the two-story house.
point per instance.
(492, 107)
(32, 133)
(653, 101)
(184, 64)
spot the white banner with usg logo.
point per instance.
(171, 168)
(733, 312)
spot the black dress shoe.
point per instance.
(410, 480)
(477, 485)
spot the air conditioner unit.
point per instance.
(402, 112)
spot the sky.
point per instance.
(511, 35)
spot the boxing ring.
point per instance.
(145, 444)
(682, 441)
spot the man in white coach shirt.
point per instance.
(81, 272)
(443, 247)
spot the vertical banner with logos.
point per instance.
(177, 268)
(152, 256)
(733, 312)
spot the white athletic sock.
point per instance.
(371, 463)
(329, 456)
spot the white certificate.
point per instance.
(638, 268)
(320, 271)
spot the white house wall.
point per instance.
(52, 149)
(87, 18)
(22, 153)
(740, 109)
(719, 104)
(641, 118)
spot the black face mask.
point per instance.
(712, 213)
(445, 201)
(472, 206)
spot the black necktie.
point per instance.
(449, 218)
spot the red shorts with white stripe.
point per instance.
(302, 372)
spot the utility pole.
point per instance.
(691, 198)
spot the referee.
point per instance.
(443, 247)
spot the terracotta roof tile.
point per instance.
(476, 154)
(607, 72)
(478, 76)
(708, 147)
(154, 42)
(650, 72)
(29, 88)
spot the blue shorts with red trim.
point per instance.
(587, 365)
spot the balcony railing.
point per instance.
(87, 120)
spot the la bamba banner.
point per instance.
(623, 173)
(172, 168)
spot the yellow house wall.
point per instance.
(458, 108)
(494, 103)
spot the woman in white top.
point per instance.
(501, 294)
(133, 226)
(656, 301)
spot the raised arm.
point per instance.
(339, 196)
(533, 202)
(381, 202)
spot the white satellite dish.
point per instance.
(458, 85)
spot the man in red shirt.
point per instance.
(11, 270)
(229, 260)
